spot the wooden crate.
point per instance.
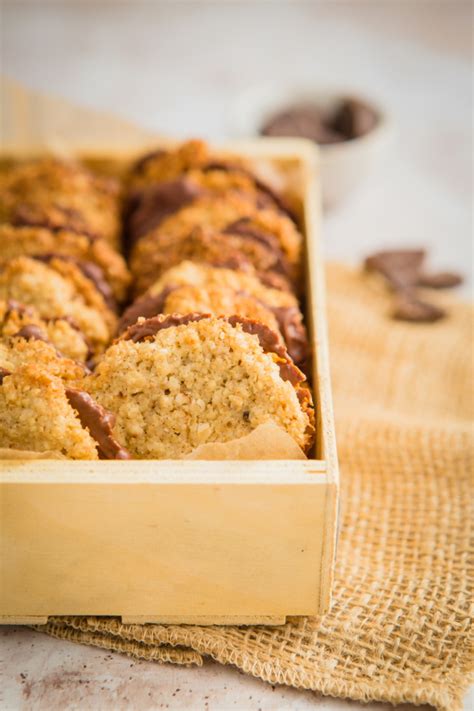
(202, 542)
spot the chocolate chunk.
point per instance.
(99, 422)
(146, 307)
(354, 118)
(400, 267)
(302, 121)
(403, 271)
(440, 280)
(351, 119)
(408, 307)
(149, 206)
(31, 332)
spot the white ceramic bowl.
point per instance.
(345, 165)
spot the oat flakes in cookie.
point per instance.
(191, 287)
(175, 382)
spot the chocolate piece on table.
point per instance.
(401, 268)
(440, 280)
(408, 307)
(403, 271)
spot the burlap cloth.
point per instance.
(399, 627)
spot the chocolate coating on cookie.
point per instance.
(90, 270)
(55, 219)
(244, 228)
(267, 192)
(31, 332)
(293, 331)
(149, 328)
(145, 307)
(99, 422)
(151, 205)
(270, 341)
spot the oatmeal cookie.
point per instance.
(148, 207)
(58, 290)
(18, 320)
(237, 250)
(58, 194)
(190, 287)
(215, 172)
(17, 351)
(40, 412)
(175, 382)
(32, 241)
(230, 214)
(161, 165)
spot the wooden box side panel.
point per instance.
(163, 549)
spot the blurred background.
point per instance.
(199, 68)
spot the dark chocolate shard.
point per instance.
(440, 280)
(401, 267)
(408, 307)
(150, 206)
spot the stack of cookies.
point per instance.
(62, 283)
(210, 342)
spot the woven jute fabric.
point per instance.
(399, 626)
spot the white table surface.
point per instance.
(179, 68)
